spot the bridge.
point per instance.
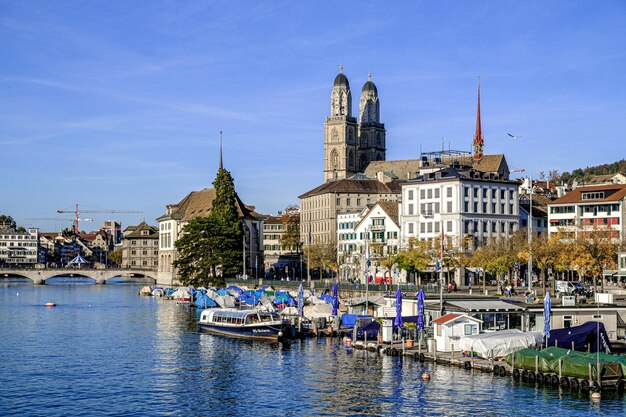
(99, 275)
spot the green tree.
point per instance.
(7, 222)
(198, 254)
(211, 247)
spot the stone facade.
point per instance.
(349, 146)
(140, 246)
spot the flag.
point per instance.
(436, 265)
(441, 246)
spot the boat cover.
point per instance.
(500, 343)
(317, 311)
(525, 359)
(204, 301)
(371, 329)
(583, 335)
(349, 320)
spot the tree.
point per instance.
(7, 222)
(322, 256)
(291, 228)
(211, 247)
(416, 258)
(199, 254)
(595, 250)
(116, 256)
(545, 252)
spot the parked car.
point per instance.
(564, 287)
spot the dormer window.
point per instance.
(596, 195)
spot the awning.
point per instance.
(554, 220)
(280, 264)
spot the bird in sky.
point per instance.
(513, 136)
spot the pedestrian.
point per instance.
(508, 291)
(470, 286)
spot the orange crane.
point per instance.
(77, 214)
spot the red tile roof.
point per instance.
(446, 318)
(618, 192)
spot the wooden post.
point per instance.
(512, 364)
(560, 369)
(536, 364)
(453, 352)
(556, 343)
(588, 347)
(573, 345)
(472, 357)
(402, 346)
(590, 375)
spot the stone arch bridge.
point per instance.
(100, 276)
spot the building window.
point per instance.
(436, 207)
(465, 191)
(430, 227)
(410, 228)
(466, 206)
(422, 227)
(436, 192)
(449, 226)
(422, 194)
(475, 192)
(347, 201)
(430, 193)
(410, 209)
(449, 191)
(338, 201)
(437, 227)
(410, 195)
(449, 206)
(567, 321)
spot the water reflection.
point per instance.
(106, 350)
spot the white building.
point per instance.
(471, 206)
(376, 227)
(590, 207)
(19, 248)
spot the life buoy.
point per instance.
(594, 386)
(502, 371)
(564, 382)
(530, 375)
(554, 380)
(584, 385)
(574, 384)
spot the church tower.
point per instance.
(372, 141)
(478, 143)
(340, 133)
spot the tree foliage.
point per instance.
(291, 228)
(211, 247)
(417, 257)
(585, 174)
(7, 222)
(116, 256)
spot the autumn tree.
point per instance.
(291, 228)
(416, 258)
(594, 250)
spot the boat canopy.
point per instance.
(583, 337)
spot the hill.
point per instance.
(584, 174)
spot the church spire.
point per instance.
(221, 164)
(478, 143)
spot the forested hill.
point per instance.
(584, 174)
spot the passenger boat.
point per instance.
(246, 324)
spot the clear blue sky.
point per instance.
(119, 105)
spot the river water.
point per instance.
(105, 350)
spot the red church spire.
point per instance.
(478, 136)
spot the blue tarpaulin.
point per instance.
(349, 320)
(583, 335)
(205, 301)
(233, 289)
(327, 298)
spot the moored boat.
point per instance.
(246, 324)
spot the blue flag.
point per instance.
(437, 265)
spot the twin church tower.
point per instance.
(349, 146)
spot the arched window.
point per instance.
(364, 140)
(334, 159)
(351, 159)
(379, 140)
(363, 163)
(335, 134)
(350, 136)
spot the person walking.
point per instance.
(508, 291)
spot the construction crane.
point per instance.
(77, 214)
(59, 219)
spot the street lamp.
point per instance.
(530, 228)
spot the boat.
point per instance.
(245, 324)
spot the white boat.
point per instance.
(246, 324)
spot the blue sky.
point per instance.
(118, 105)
